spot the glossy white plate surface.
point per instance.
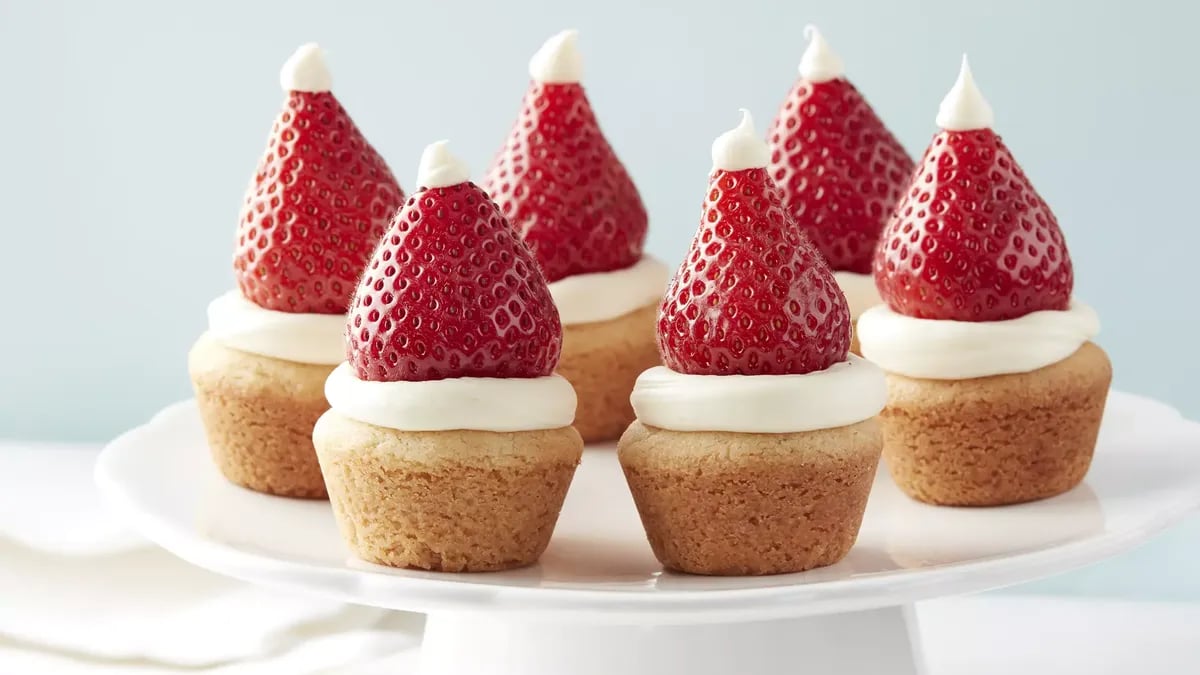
(599, 569)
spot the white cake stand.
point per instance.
(599, 604)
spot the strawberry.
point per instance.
(451, 291)
(560, 183)
(972, 240)
(840, 170)
(753, 296)
(318, 203)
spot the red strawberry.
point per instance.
(972, 240)
(838, 167)
(451, 291)
(317, 205)
(561, 184)
(753, 297)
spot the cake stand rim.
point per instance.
(666, 606)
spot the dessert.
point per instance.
(315, 208)
(449, 445)
(995, 390)
(839, 169)
(755, 446)
(563, 188)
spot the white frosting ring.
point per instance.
(240, 324)
(860, 291)
(478, 403)
(842, 394)
(960, 350)
(601, 296)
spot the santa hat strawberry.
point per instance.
(451, 291)
(753, 296)
(318, 203)
(558, 180)
(839, 169)
(972, 240)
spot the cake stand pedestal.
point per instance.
(598, 603)
(870, 642)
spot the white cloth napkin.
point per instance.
(146, 604)
(50, 504)
(76, 586)
(392, 644)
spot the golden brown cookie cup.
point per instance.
(725, 503)
(602, 360)
(258, 414)
(451, 501)
(997, 440)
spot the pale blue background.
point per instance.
(128, 131)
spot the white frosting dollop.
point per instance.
(601, 296)
(819, 62)
(558, 61)
(842, 394)
(240, 324)
(740, 148)
(305, 70)
(960, 350)
(439, 168)
(860, 291)
(965, 108)
(478, 403)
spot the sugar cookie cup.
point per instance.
(602, 360)
(749, 475)
(608, 340)
(959, 431)
(458, 500)
(259, 378)
(1003, 439)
